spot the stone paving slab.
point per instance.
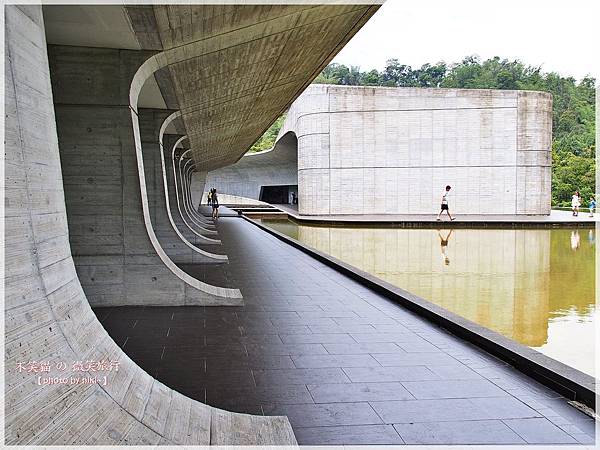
(373, 373)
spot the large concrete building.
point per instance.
(96, 99)
(375, 150)
(214, 337)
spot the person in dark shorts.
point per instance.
(445, 206)
(215, 204)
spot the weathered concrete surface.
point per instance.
(253, 59)
(380, 151)
(171, 218)
(177, 249)
(115, 259)
(244, 179)
(392, 151)
(47, 315)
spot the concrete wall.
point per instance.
(47, 316)
(245, 178)
(364, 150)
(392, 150)
(115, 260)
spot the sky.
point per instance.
(559, 36)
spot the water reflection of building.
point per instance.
(498, 278)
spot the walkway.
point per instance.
(344, 364)
(556, 217)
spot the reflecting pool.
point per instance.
(535, 286)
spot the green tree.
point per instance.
(267, 140)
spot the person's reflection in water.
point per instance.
(444, 245)
(591, 238)
(574, 240)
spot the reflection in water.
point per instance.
(575, 239)
(444, 245)
(535, 286)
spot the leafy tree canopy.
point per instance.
(267, 140)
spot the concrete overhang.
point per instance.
(230, 69)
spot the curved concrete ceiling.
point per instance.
(232, 69)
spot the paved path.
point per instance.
(345, 364)
(556, 217)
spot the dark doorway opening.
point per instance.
(275, 194)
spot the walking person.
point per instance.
(592, 205)
(576, 203)
(215, 204)
(209, 196)
(445, 206)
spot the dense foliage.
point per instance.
(267, 140)
(573, 147)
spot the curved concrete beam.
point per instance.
(309, 35)
(137, 83)
(183, 192)
(178, 193)
(215, 256)
(205, 223)
(187, 168)
(195, 218)
(186, 190)
(167, 203)
(186, 176)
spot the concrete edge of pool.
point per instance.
(566, 380)
(412, 221)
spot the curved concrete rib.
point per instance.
(215, 256)
(188, 180)
(48, 317)
(186, 177)
(185, 188)
(179, 190)
(189, 166)
(186, 202)
(167, 203)
(188, 208)
(162, 130)
(137, 83)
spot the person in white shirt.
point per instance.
(445, 206)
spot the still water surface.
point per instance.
(535, 286)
